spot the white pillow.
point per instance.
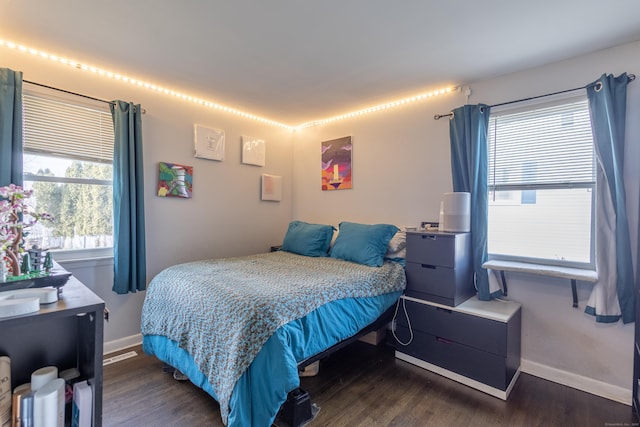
(397, 245)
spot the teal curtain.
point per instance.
(10, 127)
(607, 106)
(469, 166)
(128, 199)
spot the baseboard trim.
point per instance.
(495, 392)
(579, 382)
(122, 343)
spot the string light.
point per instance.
(376, 108)
(210, 104)
(139, 83)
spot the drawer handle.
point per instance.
(444, 309)
(429, 236)
(431, 267)
(443, 341)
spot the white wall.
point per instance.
(400, 162)
(401, 167)
(224, 218)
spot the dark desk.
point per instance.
(67, 334)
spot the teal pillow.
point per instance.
(363, 243)
(308, 239)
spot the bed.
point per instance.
(239, 327)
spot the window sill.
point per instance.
(84, 263)
(84, 258)
(572, 274)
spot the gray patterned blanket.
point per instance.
(223, 311)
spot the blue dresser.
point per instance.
(476, 343)
(439, 267)
(442, 326)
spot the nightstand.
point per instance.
(439, 267)
(476, 343)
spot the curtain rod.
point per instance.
(74, 93)
(630, 78)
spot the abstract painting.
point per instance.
(271, 187)
(175, 180)
(336, 164)
(253, 151)
(209, 143)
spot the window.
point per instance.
(542, 184)
(68, 156)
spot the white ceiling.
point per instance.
(298, 60)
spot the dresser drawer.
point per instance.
(476, 340)
(438, 249)
(472, 331)
(443, 285)
(487, 368)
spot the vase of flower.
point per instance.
(15, 217)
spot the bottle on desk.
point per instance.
(82, 401)
(5, 391)
(22, 402)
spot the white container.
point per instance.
(48, 405)
(456, 210)
(5, 391)
(82, 404)
(3, 268)
(42, 376)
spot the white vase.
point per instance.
(3, 268)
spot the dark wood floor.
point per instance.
(361, 385)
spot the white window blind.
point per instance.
(58, 128)
(545, 147)
(67, 162)
(541, 180)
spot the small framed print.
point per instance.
(271, 187)
(253, 151)
(175, 180)
(336, 164)
(209, 143)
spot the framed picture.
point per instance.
(271, 187)
(336, 164)
(253, 151)
(209, 143)
(175, 180)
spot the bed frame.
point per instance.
(296, 410)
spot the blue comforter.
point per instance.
(214, 319)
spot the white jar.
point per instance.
(3, 268)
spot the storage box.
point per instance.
(375, 337)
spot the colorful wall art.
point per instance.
(175, 180)
(336, 164)
(271, 187)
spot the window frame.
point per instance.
(530, 105)
(106, 252)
